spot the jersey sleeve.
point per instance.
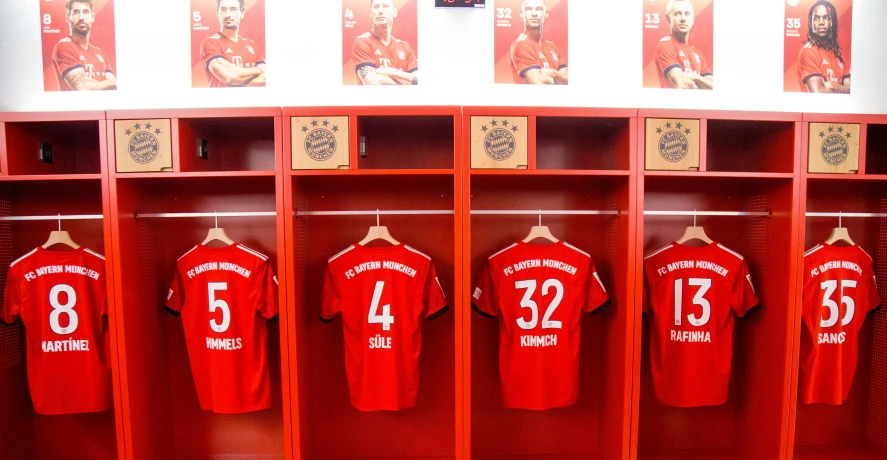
(268, 304)
(484, 300)
(597, 295)
(175, 297)
(210, 49)
(260, 54)
(412, 60)
(435, 302)
(667, 57)
(808, 64)
(524, 58)
(744, 297)
(362, 54)
(10, 311)
(874, 298)
(706, 70)
(563, 57)
(331, 301)
(65, 59)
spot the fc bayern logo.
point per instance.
(499, 144)
(320, 144)
(673, 146)
(834, 149)
(143, 144)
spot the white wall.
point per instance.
(455, 59)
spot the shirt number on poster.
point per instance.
(704, 284)
(651, 18)
(503, 13)
(219, 304)
(47, 19)
(830, 287)
(792, 23)
(527, 302)
(385, 319)
(196, 16)
(66, 308)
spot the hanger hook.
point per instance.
(694, 217)
(840, 219)
(377, 217)
(217, 219)
(540, 217)
(60, 222)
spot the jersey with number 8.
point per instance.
(61, 298)
(539, 292)
(383, 294)
(692, 295)
(839, 291)
(224, 296)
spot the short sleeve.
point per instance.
(484, 300)
(808, 65)
(175, 297)
(561, 57)
(260, 54)
(268, 303)
(109, 66)
(65, 59)
(874, 298)
(667, 57)
(210, 49)
(435, 302)
(412, 60)
(362, 54)
(330, 301)
(524, 57)
(706, 70)
(10, 311)
(597, 294)
(744, 297)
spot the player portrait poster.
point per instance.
(380, 42)
(678, 44)
(817, 46)
(227, 43)
(78, 48)
(530, 42)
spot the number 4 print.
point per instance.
(386, 320)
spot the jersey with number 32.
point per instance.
(692, 295)
(225, 295)
(61, 298)
(539, 292)
(383, 294)
(839, 291)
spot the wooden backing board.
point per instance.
(143, 145)
(833, 148)
(320, 142)
(499, 142)
(672, 144)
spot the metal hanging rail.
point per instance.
(561, 212)
(56, 217)
(419, 212)
(711, 213)
(846, 214)
(168, 215)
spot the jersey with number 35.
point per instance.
(539, 293)
(839, 291)
(383, 294)
(61, 297)
(692, 295)
(225, 297)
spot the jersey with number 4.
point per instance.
(61, 298)
(539, 292)
(225, 295)
(839, 290)
(692, 295)
(383, 293)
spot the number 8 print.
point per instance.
(58, 309)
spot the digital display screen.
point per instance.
(460, 3)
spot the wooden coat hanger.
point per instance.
(60, 237)
(839, 233)
(694, 233)
(217, 234)
(540, 231)
(379, 232)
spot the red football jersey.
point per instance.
(224, 296)
(539, 292)
(242, 53)
(839, 290)
(672, 54)
(61, 297)
(814, 61)
(383, 293)
(527, 54)
(368, 50)
(692, 293)
(68, 55)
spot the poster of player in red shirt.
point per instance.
(380, 42)
(530, 42)
(227, 43)
(817, 46)
(78, 45)
(678, 44)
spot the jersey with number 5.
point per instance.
(539, 292)
(225, 295)
(839, 291)
(61, 298)
(692, 295)
(382, 293)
